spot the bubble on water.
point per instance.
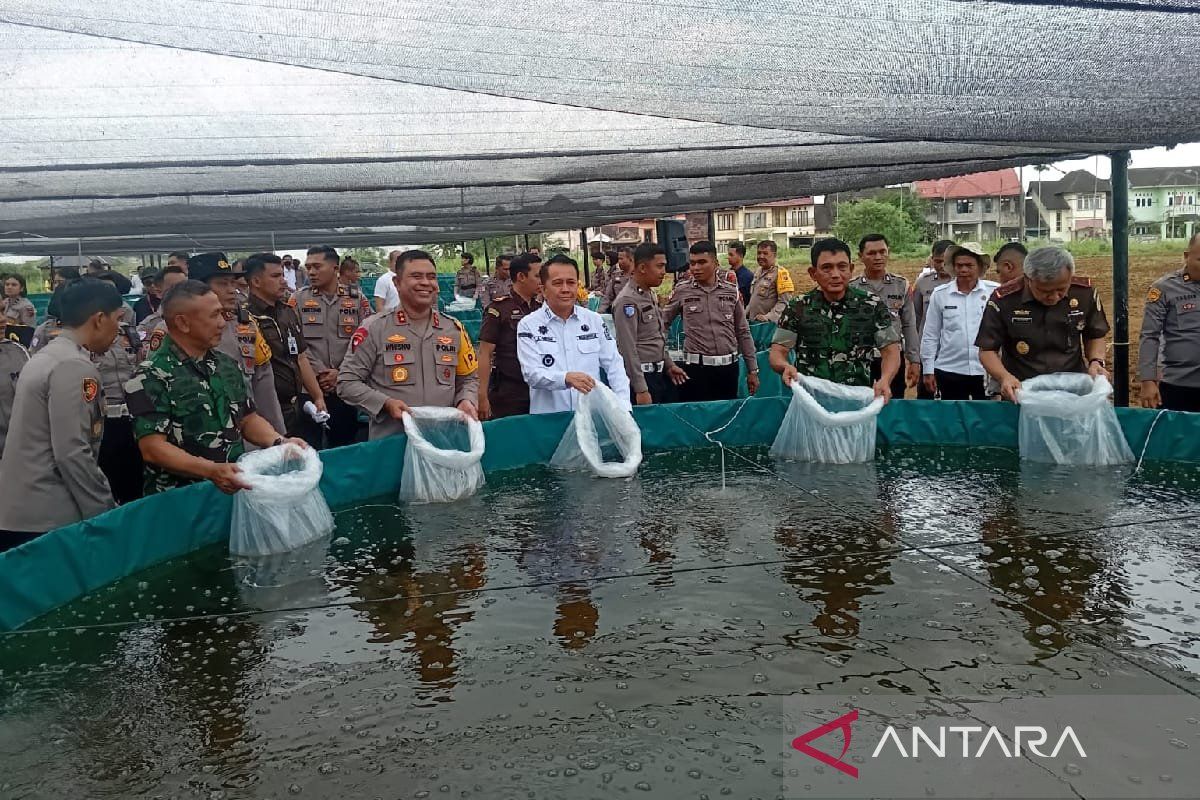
(328, 768)
(642, 786)
(1030, 570)
(1179, 743)
(634, 766)
(1044, 630)
(760, 678)
(295, 789)
(341, 541)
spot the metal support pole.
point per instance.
(487, 259)
(587, 272)
(527, 243)
(1120, 200)
(712, 228)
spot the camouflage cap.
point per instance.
(204, 266)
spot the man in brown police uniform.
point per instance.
(329, 314)
(466, 280)
(714, 330)
(1047, 321)
(281, 329)
(641, 336)
(772, 286)
(502, 388)
(874, 252)
(617, 278)
(499, 285)
(411, 356)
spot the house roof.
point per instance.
(997, 183)
(1034, 218)
(1164, 176)
(1049, 193)
(1080, 181)
(797, 201)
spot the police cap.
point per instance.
(203, 266)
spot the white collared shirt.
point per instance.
(549, 347)
(951, 325)
(386, 296)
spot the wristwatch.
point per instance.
(1099, 361)
(278, 441)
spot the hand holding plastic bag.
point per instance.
(1066, 418)
(435, 470)
(283, 509)
(600, 420)
(828, 423)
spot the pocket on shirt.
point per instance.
(588, 345)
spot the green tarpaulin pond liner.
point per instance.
(70, 562)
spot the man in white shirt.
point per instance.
(949, 357)
(386, 298)
(562, 347)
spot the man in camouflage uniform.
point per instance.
(241, 339)
(892, 289)
(410, 357)
(836, 330)
(192, 410)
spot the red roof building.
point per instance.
(981, 207)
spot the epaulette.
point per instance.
(498, 299)
(1012, 287)
(291, 301)
(457, 324)
(243, 314)
(1079, 280)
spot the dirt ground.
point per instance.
(1143, 271)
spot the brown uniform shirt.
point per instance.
(500, 329)
(430, 364)
(921, 290)
(328, 322)
(714, 322)
(641, 335)
(45, 333)
(494, 287)
(612, 287)
(13, 358)
(117, 365)
(769, 293)
(1034, 339)
(19, 311)
(466, 281)
(893, 291)
(280, 327)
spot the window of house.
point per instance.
(756, 219)
(724, 222)
(798, 218)
(988, 205)
(1006, 204)
(1058, 219)
(1087, 202)
(965, 206)
(780, 217)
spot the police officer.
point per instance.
(502, 388)
(280, 327)
(13, 357)
(193, 414)
(837, 329)
(1048, 321)
(714, 330)
(936, 274)
(772, 286)
(241, 340)
(330, 313)
(170, 276)
(411, 356)
(17, 309)
(499, 285)
(617, 278)
(120, 459)
(466, 281)
(1172, 321)
(599, 276)
(49, 476)
(892, 289)
(562, 347)
(641, 337)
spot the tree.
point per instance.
(856, 219)
(367, 255)
(915, 208)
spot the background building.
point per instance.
(981, 207)
(1162, 202)
(1077, 207)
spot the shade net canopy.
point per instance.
(134, 126)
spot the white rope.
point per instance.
(709, 436)
(1146, 444)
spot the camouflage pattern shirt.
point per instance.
(836, 340)
(197, 403)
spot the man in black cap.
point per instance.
(241, 340)
(147, 304)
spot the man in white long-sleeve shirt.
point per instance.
(949, 358)
(562, 347)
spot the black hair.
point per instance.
(625, 249)
(871, 237)
(324, 250)
(258, 262)
(1004, 248)
(180, 255)
(962, 251)
(561, 258)
(739, 248)
(702, 247)
(82, 299)
(404, 258)
(612, 258)
(828, 245)
(19, 279)
(173, 269)
(470, 259)
(500, 259)
(769, 244)
(646, 252)
(940, 246)
(182, 293)
(522, 264)
(68, 273)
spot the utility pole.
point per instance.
(1120, 186)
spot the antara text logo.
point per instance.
(944, 741)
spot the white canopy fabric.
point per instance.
(133, 125)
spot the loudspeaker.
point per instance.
(671, 235)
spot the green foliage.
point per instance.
(857, 219)
(914, 207)
(367, 255)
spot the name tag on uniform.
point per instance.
(293, 348)
(588, 336)
(544, 339)
(1022, 320)
(951, 308)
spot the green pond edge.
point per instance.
(70, 562)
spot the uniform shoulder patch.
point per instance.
(629, 310)
(91, 389)
(1079, 280)
(493, 311)
(292, 301)
(1153, 295)
(360, 335)
(156, 339)
(1013, 286)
